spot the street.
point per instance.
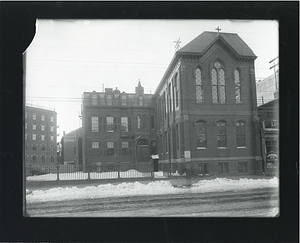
(263, 202)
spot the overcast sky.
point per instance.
(69, 57)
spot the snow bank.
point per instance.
(152, 188)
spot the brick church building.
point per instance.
(203, 111)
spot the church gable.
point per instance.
(204, 42)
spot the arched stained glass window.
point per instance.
(237, 86)
(201, 134)
(199, 90)
(218, 84)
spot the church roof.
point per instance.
(202, 42)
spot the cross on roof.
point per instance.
(218, 29)
(177, 46)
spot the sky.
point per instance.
(69, 57)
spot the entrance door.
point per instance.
(143, 154)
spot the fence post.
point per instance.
(57, 172)
(152, 170)
(170, 169)
(118, 166)
(88, 170)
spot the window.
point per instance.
(51, 119)
(240, 134)
(201, 134)
(124, 100)
(95, 145)
(144, 122)
(95, 148)
(33, 136)
(34, 116)
(43, 158)
(33, 126)
(109, 124)
(199, 90)
(221, 134)
(124, 124)
(26, 136)
(170, 97)
(42, 137)
(52, 128)
(177, 137)
(110, 149)
(33, 158)
(43, 147)
(125, 148)
(26, 115)
(203, 169)
(223, 167)
(237, 87)
(43, 117)
(52, 138)
(26, 125)
(95, 124)
(42, 127)
(242, 167)
(141, 103)
(138, 122)
(34, 146)
(94, 99)
(152, 122)
(177, 90)
(109, 100)
(218, 84)
(52, 158)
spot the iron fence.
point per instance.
(87, 172)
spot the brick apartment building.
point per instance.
(204, 111)
(118, 126)
(40, 136)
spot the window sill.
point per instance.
(241, 147)
(201, 148)
(222, 148)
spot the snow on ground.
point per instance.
(93, 175)
(152, 188)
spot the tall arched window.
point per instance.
(144, 121)
(177, 90)
(199, 90)
(201, 134)
(138, 119)
(240, 134)
(237, 86)
(221, 134)
(218, 84)
(109, 100)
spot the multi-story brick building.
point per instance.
(40, 136)
(118, 127)
(203, 111)
(206, 107)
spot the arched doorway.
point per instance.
(143, 151)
